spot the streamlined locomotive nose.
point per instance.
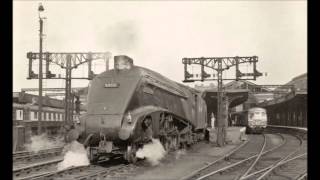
(109, 125)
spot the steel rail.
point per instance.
(31, 177)
(302, 176)
(49, 175)
(101, 172)
(30, 155)
(214, 162)
(256, 160)
(242, 161)
(34, 166)
(282, 160)
(71, 170)
(24, 153)
(267, 168)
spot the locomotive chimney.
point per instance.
(122, 62)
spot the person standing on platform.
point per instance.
(213, 119)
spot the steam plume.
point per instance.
(76, 155)
(120, 37)
(153, 152)
(42, 141)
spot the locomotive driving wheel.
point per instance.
(170, 139)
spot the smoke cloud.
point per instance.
(76, 155)
(42, 141)
(121, 37)
(153, 152)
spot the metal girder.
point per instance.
(77, 58)
(221, 64)
(269, 92)
(226, 62)
(67, 61)
(51, 89)
(55, 94)
(274, 86)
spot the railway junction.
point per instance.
(279, 153)
(132, 122)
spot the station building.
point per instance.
(289, 109)
(25, 115)
(286, 107)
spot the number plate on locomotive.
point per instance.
(111, 85)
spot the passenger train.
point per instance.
(254, 119)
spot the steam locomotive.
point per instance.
(122, 100)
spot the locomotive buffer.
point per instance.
(220, 64)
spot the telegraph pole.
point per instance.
(40, 9)
(221, 64)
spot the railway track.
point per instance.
(47, 170)
(36, 168)
(292, 165)
(251, 152)
(266, 156)
(90, 172)
(26, 156)
(250, 163)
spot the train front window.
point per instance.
(251, 115)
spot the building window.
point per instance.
(33, 115)
(19, 114)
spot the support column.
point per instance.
(68, 90)
(221, 121)
(305, 117)
(283, 118)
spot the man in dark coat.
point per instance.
(147, 129)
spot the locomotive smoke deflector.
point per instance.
(122, 62)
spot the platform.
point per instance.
(234, 135)
(289, 127)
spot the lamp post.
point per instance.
(40, 9)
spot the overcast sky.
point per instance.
(157, 35)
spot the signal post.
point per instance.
(220, 64)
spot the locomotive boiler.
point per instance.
(123, 99)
